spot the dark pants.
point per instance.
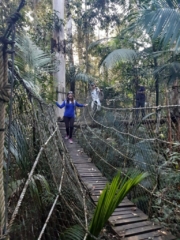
(69, 123)
(140, 103)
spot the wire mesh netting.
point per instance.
(45, 196)
(143, 139)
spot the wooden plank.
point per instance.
(131, 226)
(130, 220)
(90, 182)
(121, 213)
(98, 187)
(122, 209)
(97, 192)
(76, 158)
(143, 229)
(86, 170)
(126, 204)
(123, 204)
(102, 183)
(94, 179)
(85, 165)
(90, 174)
(139, 230)
(151, 235)
(118, 220)
(79, 161)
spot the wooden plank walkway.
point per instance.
(127, 221)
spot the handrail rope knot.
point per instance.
(5, 92)
(159, 108)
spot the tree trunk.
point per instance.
(69, 49)
(80, 45)
(59, 48)
(86, 40)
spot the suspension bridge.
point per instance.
(79, 178)
(60, 183)
(127, 221)
(77, 173)
(112, 140)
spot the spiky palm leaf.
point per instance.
(162, 22)
(33, 59)
(84, 78)
(110, 198)
(73, 233)
(33, 63)
(169, 72)
(37, 185)
(119, 55)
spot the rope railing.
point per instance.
(4, 97)
(28, 181)
(33, 122)
(119, 134)
(115, 168)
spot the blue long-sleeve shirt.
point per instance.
(69, 108)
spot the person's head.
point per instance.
(70, 96)
(141, 88)
(93, 85)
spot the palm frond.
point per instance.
(110, 198)
(164, 24)
(38, 184)
(169, 71)
(73, 233)
(84, 78)
(31, 58)
(96, 43)
(119, 55)
(34, 88)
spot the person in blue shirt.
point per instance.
(70, 105)
(140, 100)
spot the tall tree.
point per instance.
(69, 46)
(59, 48)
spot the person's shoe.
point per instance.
(66, 137)
(70, 140)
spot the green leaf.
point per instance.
(110, 198)
(119, 55)
(84, 77)
(75, 232)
